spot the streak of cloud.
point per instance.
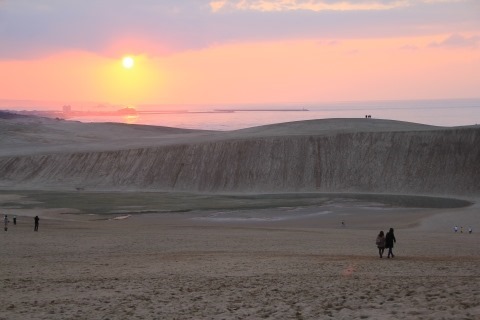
(458, 41)
(30, 28)
(409, 47)
(309, 5)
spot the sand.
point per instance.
(274, 261)
(225, 265)
(325, 155)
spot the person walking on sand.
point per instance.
(389, 241)
(380, 242)
(14, 220)
(5, 221)
(36, 223)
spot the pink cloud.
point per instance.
(312, 5)
(458, 41)
(409, 47)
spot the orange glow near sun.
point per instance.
(285, 71)
(120, 84)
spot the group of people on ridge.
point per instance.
(385, 241)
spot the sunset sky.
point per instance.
(238, 51)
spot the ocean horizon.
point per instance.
(445, 112)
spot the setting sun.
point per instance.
(127, 62)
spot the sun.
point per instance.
(128, 62)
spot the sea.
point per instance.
(446, 112)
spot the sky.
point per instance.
(238, 51)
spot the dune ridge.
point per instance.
(334, 155)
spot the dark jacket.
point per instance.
(389, 240)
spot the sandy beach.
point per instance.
(227, 265)
(167, 254)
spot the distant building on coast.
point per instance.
(68, 111)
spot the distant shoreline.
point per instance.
(125, 112)
(259, 110)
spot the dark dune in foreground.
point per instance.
(332, 155)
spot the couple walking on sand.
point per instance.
(385, 241)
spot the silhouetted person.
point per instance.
(389, 241)
(36, 223)
(5, 221)
(15, 220)
(380, 242)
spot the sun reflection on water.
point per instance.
(130, 118)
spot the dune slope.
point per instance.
(378, 158)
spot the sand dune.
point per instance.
(333, 155)
(224, 258)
